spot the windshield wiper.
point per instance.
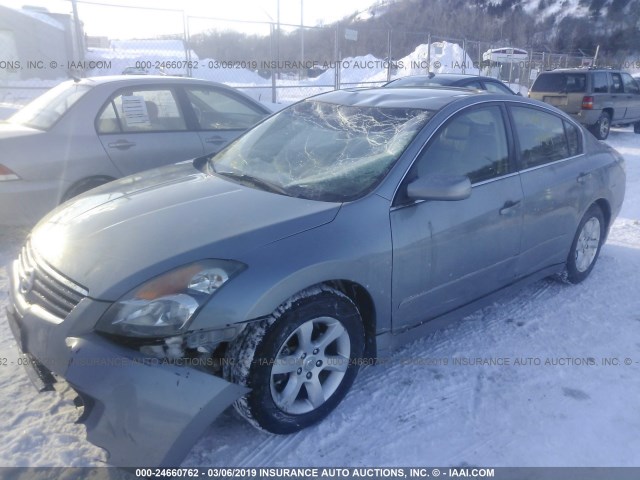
(257, 182)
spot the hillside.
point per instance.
(566, 26)
(543, 25)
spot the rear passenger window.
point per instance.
(616, 83)
(573, 139)
(218, 110)
(630, 85)
(496, 88)
(600, 82)
(541, 135)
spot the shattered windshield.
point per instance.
(321, 151)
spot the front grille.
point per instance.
(41, 285)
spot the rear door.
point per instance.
(449, 253)
(144, 127)
(553, 181)
(632, 97)
(618, 97)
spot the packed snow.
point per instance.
(568, 410)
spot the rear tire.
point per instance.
(586, 245)
(602, 126)
(84, 186)
(299, 362)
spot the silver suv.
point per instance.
(597, 98)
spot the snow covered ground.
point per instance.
(569, 413)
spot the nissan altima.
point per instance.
(265, 275)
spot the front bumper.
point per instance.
(142, 411)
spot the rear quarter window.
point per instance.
(573, 139)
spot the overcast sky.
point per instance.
(129, 23)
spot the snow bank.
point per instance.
(445, 57)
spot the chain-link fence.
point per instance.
(270, 61)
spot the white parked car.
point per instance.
(82, 134)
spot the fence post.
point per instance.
(529, 70)
(187, 46)
(337, 56)
(429, 53)
(464, 55)
(389, 58)
(79, 39)
(274, 92)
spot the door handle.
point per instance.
(215, 140)
(508, 206)
(583, 177)
(122, 144)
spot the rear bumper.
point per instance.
(24, 203)
(586, 117)
(142, 411)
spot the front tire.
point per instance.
(586, 245)
(299, 363)
(636, 127)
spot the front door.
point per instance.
(145, 128)
(449, 253)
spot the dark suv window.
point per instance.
(600, 82)
(542, 137)
(560, 82)
(630, 85)
(616, 83)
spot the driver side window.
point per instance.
(474, 143)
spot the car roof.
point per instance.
(426, 98)
(579, 70)
(450, 76)
(144, 79)
(124, 81)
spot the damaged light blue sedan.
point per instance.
(265, 275)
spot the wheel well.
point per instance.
(609, 111)
(359, 295)
(606, 211)
(81, 186)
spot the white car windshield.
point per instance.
(47, 109)
(321, 151)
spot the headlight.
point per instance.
(164, 305)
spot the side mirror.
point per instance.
(440, 187)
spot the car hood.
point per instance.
(115, 237)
